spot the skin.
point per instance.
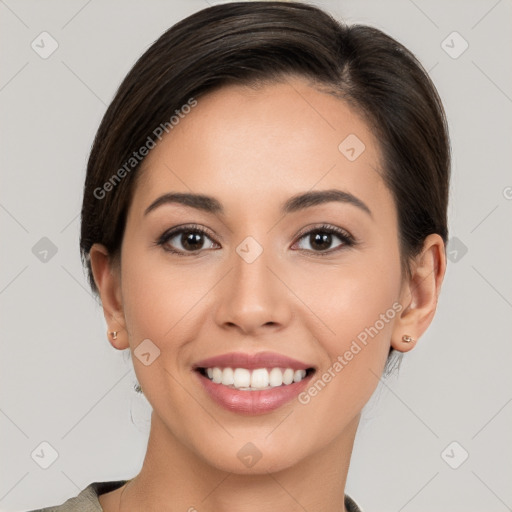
(252, 149)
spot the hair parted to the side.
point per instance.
(253, 43)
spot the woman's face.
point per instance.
(261, 279)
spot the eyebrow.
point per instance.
(293, 204)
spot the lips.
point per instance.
(252, 361)
(253, 383)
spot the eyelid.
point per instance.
(184, 227)
(342, 233)
(347, 239)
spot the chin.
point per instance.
(250, 460)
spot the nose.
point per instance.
(253, 298)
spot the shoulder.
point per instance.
(86, 500)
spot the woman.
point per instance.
(264, 220)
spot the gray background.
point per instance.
(61, 381)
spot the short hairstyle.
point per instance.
(254, 43)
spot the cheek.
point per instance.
(167, 303)
(351, 297)
(358, 305)
(158, 301)
(157, 295)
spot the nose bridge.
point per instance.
(251, 275)
(252, 296)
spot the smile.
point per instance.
(244, 379)
(253, 383)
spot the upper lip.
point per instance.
(252, 361)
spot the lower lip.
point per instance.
(252, 402)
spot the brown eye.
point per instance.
(186, 240)
(320, 239)
(191, 240)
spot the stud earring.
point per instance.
(407, 339)
(114, 335)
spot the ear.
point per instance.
(420, 293)
(108, 281)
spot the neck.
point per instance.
(175, 478)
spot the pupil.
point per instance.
(323, 241)
(188, 240)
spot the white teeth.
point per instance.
(242, 378)
(275, 377)
(288, 376)
(227, 377)
(299, 375)
(217, 375)
(260, 378)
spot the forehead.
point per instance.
(250, 146)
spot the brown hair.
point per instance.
(261, 42)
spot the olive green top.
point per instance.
(87, 500)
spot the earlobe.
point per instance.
(107, 278)
(420, 294)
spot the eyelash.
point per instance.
(347, 239)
